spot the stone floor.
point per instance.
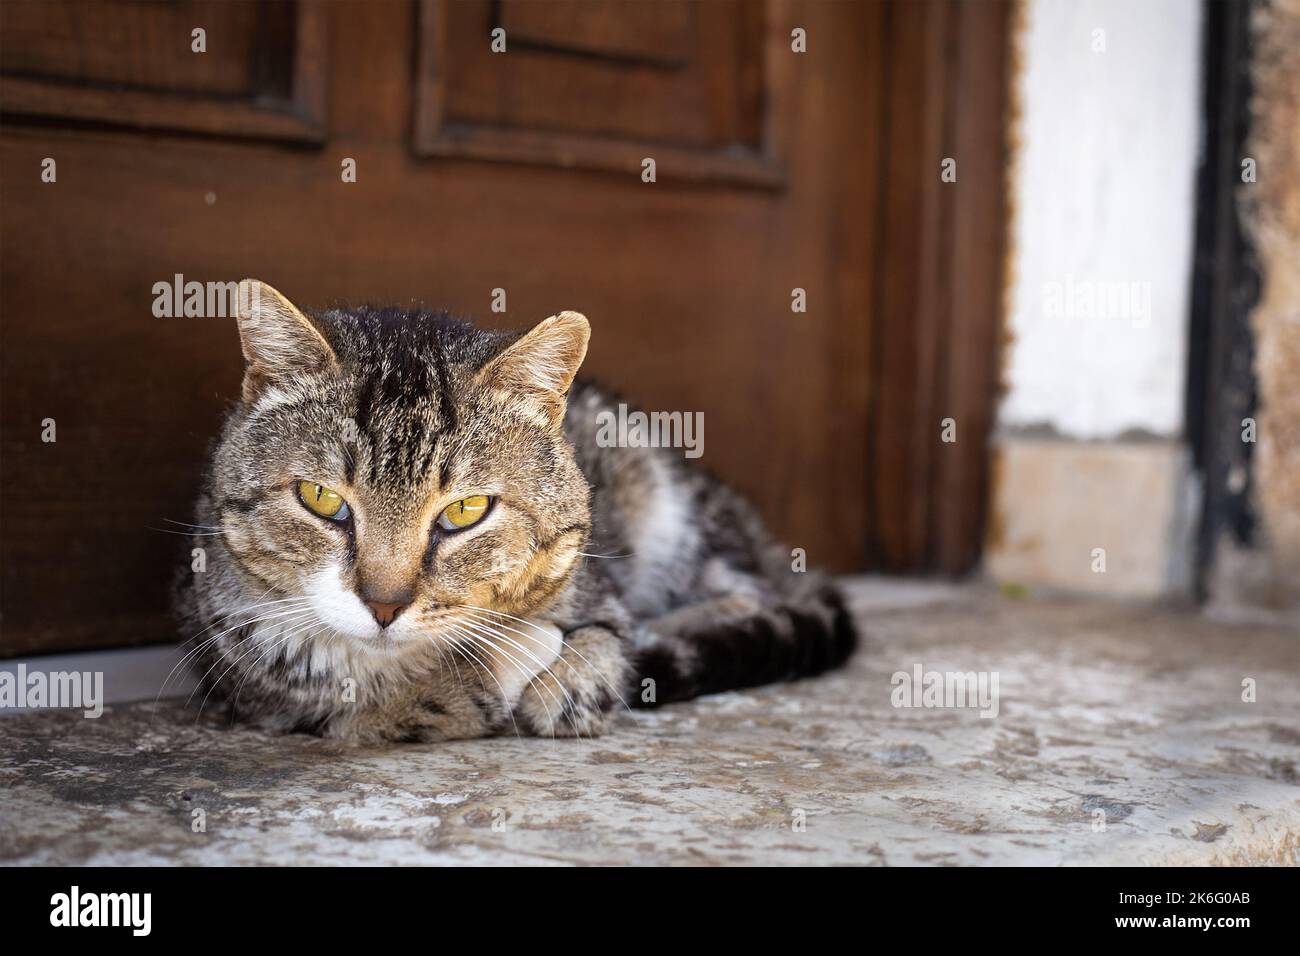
(1121, 738)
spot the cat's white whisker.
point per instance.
(285, 618)
(443, 645)
(484, 628)
(256, 640)
(439, 645)
(527, 675)
(252, 669)
(246, 610)
(567, 663)
(458, 648)
(275, 643)
(199, 647)
(505, 698)
(563, 642)
(436, 639)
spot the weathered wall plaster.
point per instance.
(1104, 213)
(1271, 212)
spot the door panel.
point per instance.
(599, 85)
(122, 62)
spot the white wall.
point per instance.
(1104, 206)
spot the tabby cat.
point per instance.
(410, 533)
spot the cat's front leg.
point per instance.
(572, 697)
(476, 698)
(419, 713)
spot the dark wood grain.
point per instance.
(968, 360)
(123, 63)
(601, 92)
(649, 31)
(940, 284)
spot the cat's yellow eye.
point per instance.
(325, 502)
(463, 513)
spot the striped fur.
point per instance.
(602, 577)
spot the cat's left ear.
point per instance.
(279, 341)
(540, 366)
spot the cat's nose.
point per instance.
(384, 613)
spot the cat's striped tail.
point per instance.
(729, 643)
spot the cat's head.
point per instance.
(400, 470)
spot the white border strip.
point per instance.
(130, 674)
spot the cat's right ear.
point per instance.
(279, 342)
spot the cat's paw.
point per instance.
(551, 710)
(420, 718)
(574, 696)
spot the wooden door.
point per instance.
(475, 171)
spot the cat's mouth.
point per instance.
(435, 627)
